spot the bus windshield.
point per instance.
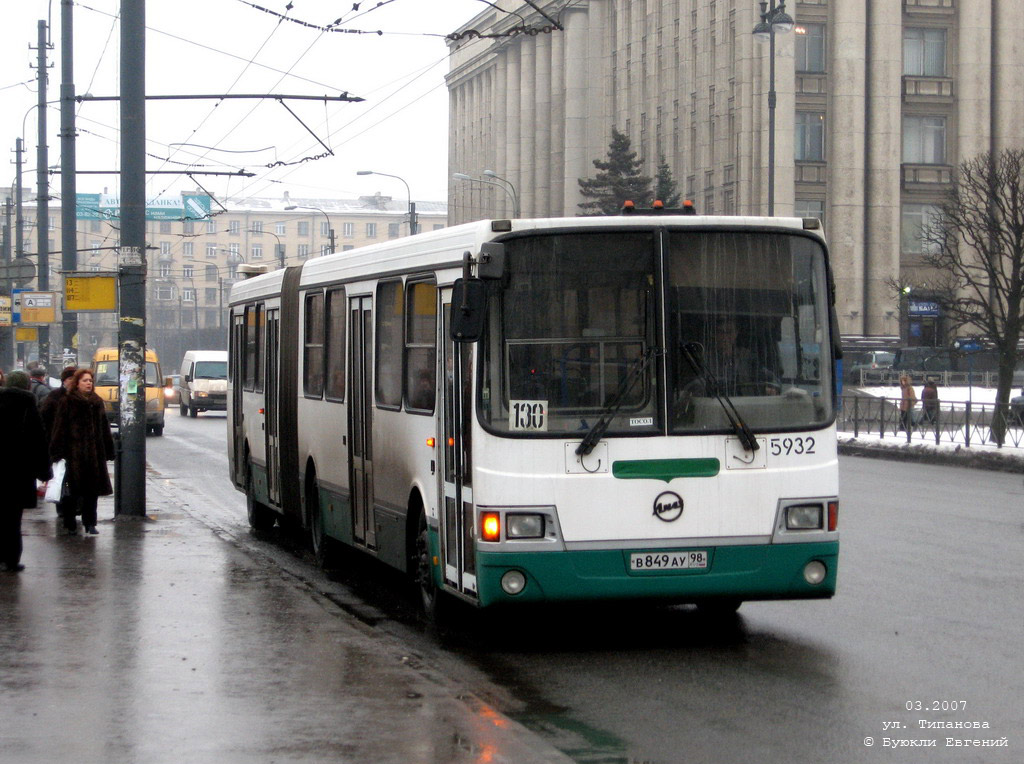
(576, 325)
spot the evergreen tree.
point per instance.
(665, 186)
(617, 181)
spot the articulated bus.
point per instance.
(542, 411)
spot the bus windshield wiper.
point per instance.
(614, 403)
(692, 352)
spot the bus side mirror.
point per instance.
(491, 261)
(469, 306)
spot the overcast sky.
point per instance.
(230, 46)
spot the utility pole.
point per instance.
(68, 181)
(42, 189)
(19, 219)
(7, 332)
(131, 465)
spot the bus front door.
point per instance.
(360, 419)
(270, 407)
(237, 384)
(457, 535)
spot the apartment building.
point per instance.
(877, 101)
(191, 264)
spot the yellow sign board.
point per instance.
(26, 334)
(5, 311)
(85, 293)
(38, 307)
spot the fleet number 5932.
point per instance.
(797, 446)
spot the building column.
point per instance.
(542, 129)
(576, 147)
(557, 127)
(1007, 74)
(513, 115)
(883, 147)
(499, 128)
(527, 135)
(973, 80)
(845, 155)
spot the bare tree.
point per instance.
(976, 246)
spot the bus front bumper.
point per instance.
(759, 572)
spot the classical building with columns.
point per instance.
(877, 101)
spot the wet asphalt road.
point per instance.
(928, 613)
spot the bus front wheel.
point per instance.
(324, 551)
(261, 517)
(431, 599)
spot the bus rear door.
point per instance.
(360, 425)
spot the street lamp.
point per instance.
(413, 225)
(330, 229)
(280, 249)
(504, 185)
(774, 21)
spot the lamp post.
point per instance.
(330, 228)
(413, 226)
(504, 185)
(280, 250)
(773, 20)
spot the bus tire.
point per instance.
(324, 548)
(261, 517)
(432, 600)
(723, 607)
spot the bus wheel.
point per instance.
(261, 518)
(323, 545)
(719, 608)
(182, 409)
(433, 601)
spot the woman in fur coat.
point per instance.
(81, 435)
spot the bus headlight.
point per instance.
(803, 517)
(815, 572)
(513, 582)
(523, 526)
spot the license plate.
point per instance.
(668, 560)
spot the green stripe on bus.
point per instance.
(665, 469)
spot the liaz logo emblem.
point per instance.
(668, 507)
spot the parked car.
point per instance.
(172, 385)
(923, 359)
(870, 360)
(1017, 409)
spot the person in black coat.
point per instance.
(23, 460)
(48, 410)
(81, 436)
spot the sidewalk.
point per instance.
(159, 641)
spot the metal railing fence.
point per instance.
(964, 424)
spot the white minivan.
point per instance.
(204, 382)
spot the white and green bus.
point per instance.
(553, 410)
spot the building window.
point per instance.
(393, 230)
(188, 295)
(303, 251)
(348, 230)
(810, 47)
(232, 270)
(94, 226)
(211, 272)
(234, 250)
(211, 250)
(924, 52)
(313, 355)
(165, 226)
(810, 136)
(211, 226)
(325, 228)
(917, 221)
(810, 208)
(325, 249)
(279, 228)
(257, 251)
(165, 271)
(211, 295)
(371, 230)
(279, 251)
(188, 226)
(257, 227)
(924, 140)
(234, 227)
(164, 293)
(303, 228)
(388, 373)
(165, 248)
(186, 249)
(347, 247)
(187, 272)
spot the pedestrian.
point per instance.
(39, 388)
(930, 402)
(47, 410)
(81, 436)
(23, 460)
(908, 399)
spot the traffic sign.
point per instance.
(38, 307)
(5, 311)
(21, 271)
